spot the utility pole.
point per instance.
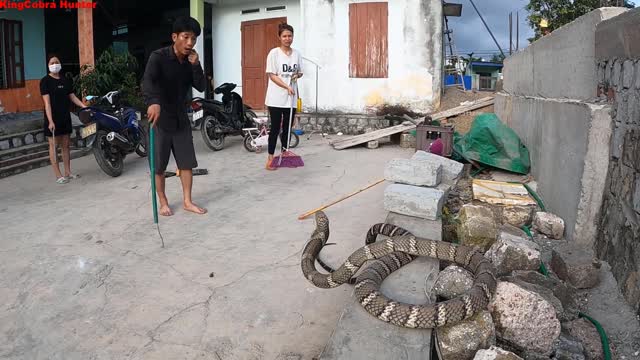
(489, 30)
(510, 33)
(518, 31)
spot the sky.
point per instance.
(469, 34)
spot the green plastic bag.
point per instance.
(490, 142)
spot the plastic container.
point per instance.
(426, 134)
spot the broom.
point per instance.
(289, 158)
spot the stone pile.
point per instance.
(533, 316)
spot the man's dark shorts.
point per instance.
(180, 142)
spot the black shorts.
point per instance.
(180, 143)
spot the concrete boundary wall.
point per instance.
(550, 99)
(568, 143)
(559, 65)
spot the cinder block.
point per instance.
(413, 172)
(415, 201)
(451, 169)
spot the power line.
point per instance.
(487, 26)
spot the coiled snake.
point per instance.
(398, 250)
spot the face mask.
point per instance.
(55, 68)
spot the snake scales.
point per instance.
(398, 250)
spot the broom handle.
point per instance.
(307, 214)
(153, 173)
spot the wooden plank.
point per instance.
(478, 104)
(364, 138)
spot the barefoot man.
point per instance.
(170, 73)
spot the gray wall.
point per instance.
(618, 240)
(547, 99)
(560, 65)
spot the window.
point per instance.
(11, 54)
(368, 40)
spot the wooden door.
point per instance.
(258, 38)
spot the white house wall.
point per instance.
(415, 60)
(227, 38)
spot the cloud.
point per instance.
(470, 34)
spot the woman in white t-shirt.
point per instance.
(284, 64)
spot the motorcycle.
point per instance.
(220, 119)
(113, 131)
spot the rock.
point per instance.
(453, 281)
(587, 333)
(513, 251)
(547, 294)
(568, 347)
(29, 139)
(5, 145)
(413, 172)
(451, 169)
(373, 144)
(549, 225)
(461, 341)
(564, 293)
(524, 318)
(415, 201)
(575, 265)
(40, 137)
(517, 216)
(495, 353)
(477, 226)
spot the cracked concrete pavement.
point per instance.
(84, 276)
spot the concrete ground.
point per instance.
(84, 276)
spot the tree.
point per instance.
(561, 12)
(497, 58)
(111, 72)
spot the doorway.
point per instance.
(258, 38)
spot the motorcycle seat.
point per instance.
(261, 120)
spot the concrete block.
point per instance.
(426, 229)
(413, 172)
(415, 201)
(359, 335)
(451, 169)
(373, 144)
(619, 37)
(627, 74)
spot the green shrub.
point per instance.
(112, 71)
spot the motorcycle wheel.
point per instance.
(141, 149)
(247, 144)
(295, 140)
(213, 141)
(112, 164)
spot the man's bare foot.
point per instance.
(195, 209)
(165, 210)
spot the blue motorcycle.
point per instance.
(113, 131)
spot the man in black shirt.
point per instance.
(168, 77)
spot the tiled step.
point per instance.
(38, 162)
(22, 150)
(21, 139)
(23, 158)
